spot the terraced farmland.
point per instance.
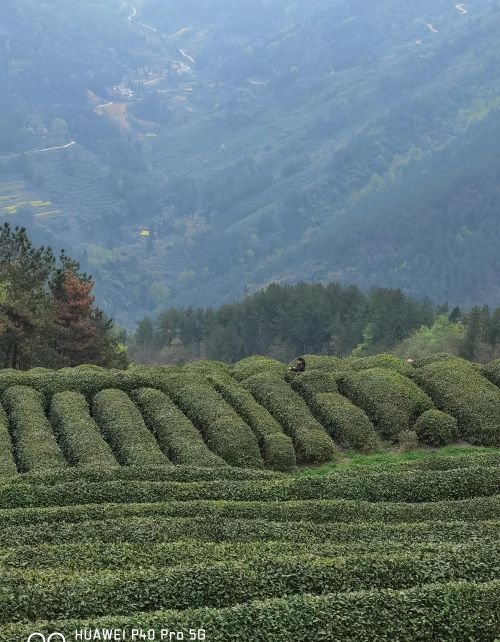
(167, 498)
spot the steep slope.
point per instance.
(202, 149)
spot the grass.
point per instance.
(352, 458)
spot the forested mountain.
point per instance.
(207, 148)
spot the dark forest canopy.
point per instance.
(283, 321)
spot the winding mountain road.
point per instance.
(461, 8)
(40, 151)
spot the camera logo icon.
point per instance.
(40, 637)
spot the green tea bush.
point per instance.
(176, 434)
(155, 530)
(408, 440)
(276, 447)
(409, 486)
(123, 427)
(382, 361)
(459, 389)
(77, 432)
(492, 371)
(308, 384)
(392, 401)
(433, 358)
(436, 428)
(224, 432)
(346, 423)
(312, 443)
(255, 365)
(326, 363)
(285, 511)
(7, 463)
(439, 611)
(35, 445)
(205, 367)
(45, 595)
(450, 462)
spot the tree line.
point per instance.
(283, 321)
(48, 316)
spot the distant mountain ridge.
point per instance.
(218, 148)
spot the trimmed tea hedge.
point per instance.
(436, 428)
(176, 434)
(382, 361)
(96, 556)
(393, 402)
(124, 429)
(319, 511)
(308, 384)
(77, 432)
(312, 443)
(151, 530)
(255, 365)
(7, 463)
(460, 390)
(407, 486)
(276, 447)
(449, 611)
(492, 371)
(34, 443)
(45, 595)
(223, 430)
(326, 363)
(348, 424)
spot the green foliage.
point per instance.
(439, 611)
(375, 486)
(346, 423)
(224, 432)
(7, 463)
(408, 440)
(276, 447)
(77, 433)
(255, 365)
(328, 363)
(311, 382)
(460, 390)
(437, 428)
(492, 371)
(175, 433)
(382, 361)
(123, 427)
(44, 595)
(390, 400)
(311, 442)
(443, 336)
(34, 443)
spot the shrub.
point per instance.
(77, 432)
(433, 358)
(223, 430)
(492, 371)
(382, 361)
(45, 595)
(35, 445)
(255, 365)
(205, 367)
(123, 427)
(346, 423)
(460, 390)
(276, 447)
(436, 428)
(308, 384)
(439, 611)
(312, 444)
(408, 440)
(176, 434)
(326, 363)
(393, 402)
(7, 463)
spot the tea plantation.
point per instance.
(185, 499)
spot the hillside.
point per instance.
(186, 152)
(101, 532)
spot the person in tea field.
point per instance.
(300, 365)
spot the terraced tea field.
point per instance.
(168, 500)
